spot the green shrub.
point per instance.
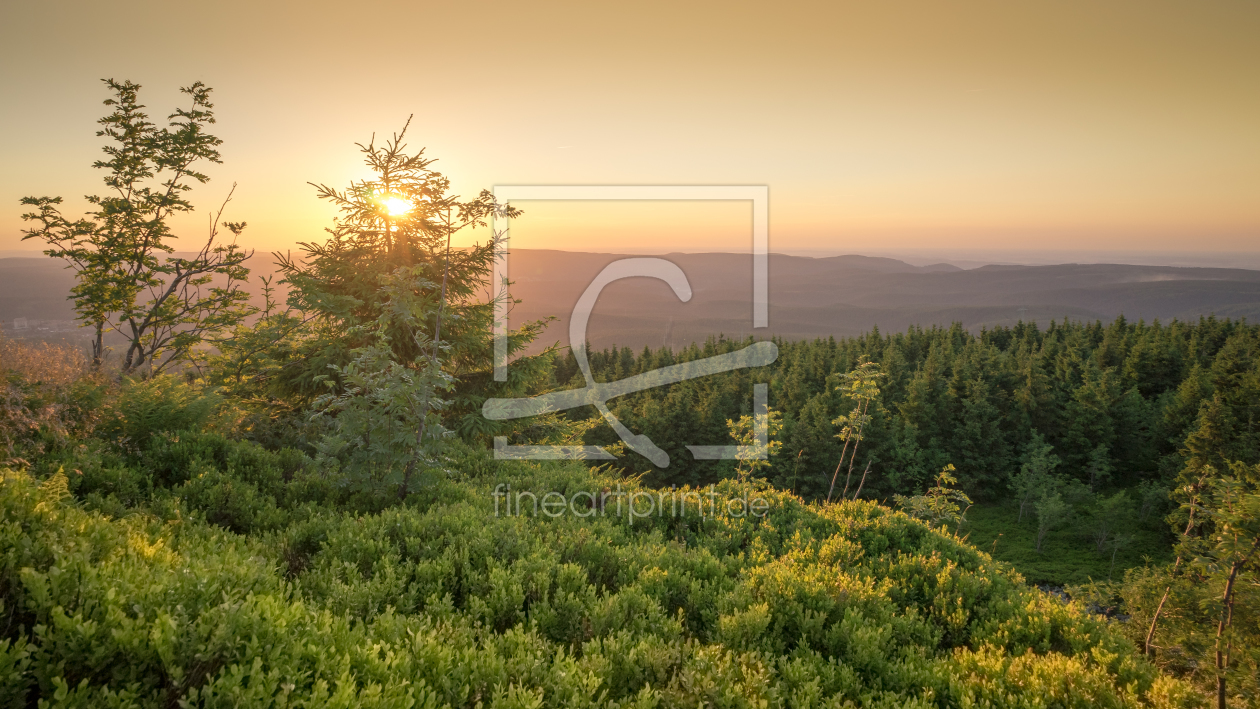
(230, 502)
(443, 603)
(144, 408)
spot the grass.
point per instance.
(1068, 555)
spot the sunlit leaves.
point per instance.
(166, 308)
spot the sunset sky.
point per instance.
(949, 128)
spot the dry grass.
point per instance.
(42, 362)
(42, 398)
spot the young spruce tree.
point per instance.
(397, 351)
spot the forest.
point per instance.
(296, 504)
(1108, 418)
(1118, 405)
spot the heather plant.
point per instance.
(143, 408)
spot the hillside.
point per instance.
(243, 577)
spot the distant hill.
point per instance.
(847, 295)
(35, 288)
(809, 297)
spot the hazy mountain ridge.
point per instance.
(36, 288)
(847, 295)
(809, 297)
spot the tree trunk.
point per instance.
(1227, 616)
(864, 472)
(437, 336)
(98, 346)
(1150, 634)
(838, 466)
(446, 272)
(135, 352)
(857, 439)
(406, 481)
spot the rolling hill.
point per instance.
(847, 295)
(809, 297)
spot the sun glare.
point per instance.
(396, 205)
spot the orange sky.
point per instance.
(877, 126)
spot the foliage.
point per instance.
(251, 575)
(154, 553)
(1098, 467)
(48, 398)
(1052, 511)
(399, 224)
(443, 603)
(144, 408)
(386, 428)
(941, 505)
(164, 307)
(1036, 475)
(1231, 558)
(754, 451)
(246, 361)
(861, 387)
(1068, 556)
(1133, 390)
(1109, 515)
(1199, 617)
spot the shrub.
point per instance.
(144, 408)
(441, 602)
(230, 502)
(47, 396)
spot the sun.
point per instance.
(396, 205)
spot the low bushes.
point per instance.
(444, 603)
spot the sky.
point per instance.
(1068, 129)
